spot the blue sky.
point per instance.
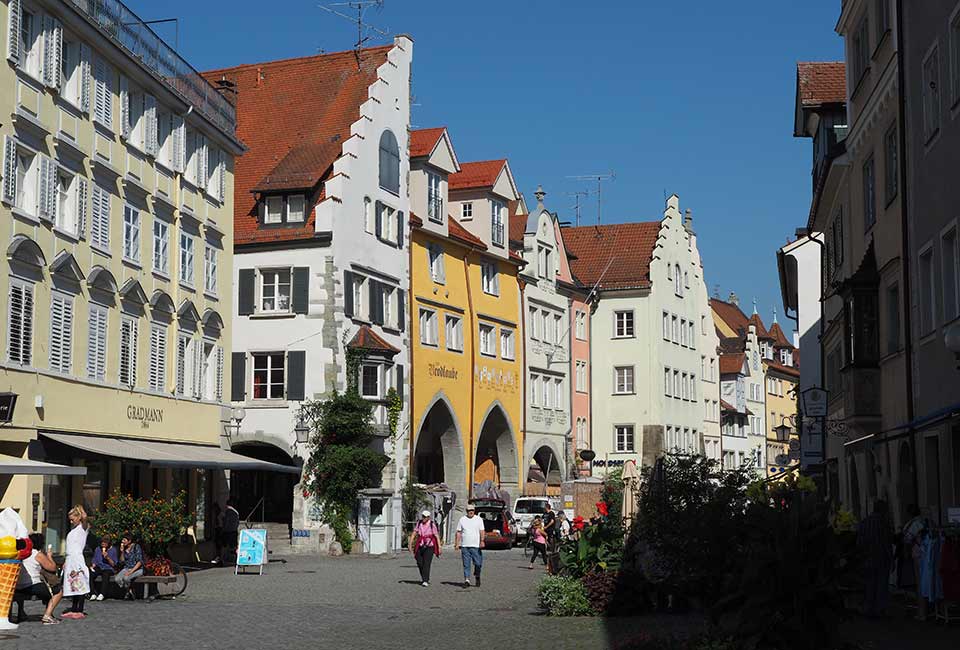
(693, 97)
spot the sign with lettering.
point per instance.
(8, 402)
(252, 548)
(814, 402)
(144, 415)
(441, 371)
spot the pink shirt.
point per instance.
(426, 533)
(538, 536)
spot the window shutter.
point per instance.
(43, 185)
(247, 292)
(56, 333)
(443, 267)
(222, 175)
(52, 51)
(399, 373)
(202, 166)
(218, 389)
(124, 107)
(375, 298)
(399, 229)
(379, 220)
(348, 293)
(85, 77)
(150, 132)
(179, 142)
(103, 93)
(9, 168)
(181, 364)
(198, 363)
(83, 190)
(13, 31)
(238, 376)
(20, 324)
(296, 375)
(401, 307)
(301, 289)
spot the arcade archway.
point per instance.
(247, 488)
(439, 453)
(496, 452)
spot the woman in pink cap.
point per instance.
(424, 544)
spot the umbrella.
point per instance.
(631, 479)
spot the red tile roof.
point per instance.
(415, 220)
(422, 141)
(757, 322)
(367, 339)
(787, 370)
(617, 255)
(780, 339)
(821, 82)
(730, 314)
(456, 231)
(731, 364)
(518, 225)
(294, 116)
(473, 175)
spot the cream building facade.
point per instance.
(117, 190)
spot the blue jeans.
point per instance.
(471, 554)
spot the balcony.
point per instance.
(125, 28)
(435, 208)
(496, 234)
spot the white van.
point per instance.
(526, 508)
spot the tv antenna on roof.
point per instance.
(596, 177)
(576, 205)
(363, 29)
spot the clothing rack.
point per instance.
(947, 609)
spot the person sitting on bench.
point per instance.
(104, 566)
(131, 557)
(33, 583)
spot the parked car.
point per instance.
(499, 527)
(526, 508)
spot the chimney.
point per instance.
(688, 221)
(733, 300)
(539, 194)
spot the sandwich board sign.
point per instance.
(251, 549)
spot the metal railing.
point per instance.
(127, 30)
(435, 208)
(497, 234)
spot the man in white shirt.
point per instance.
(469, 540)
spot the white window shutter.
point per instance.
(103, 93)
(52, 190)
(82, 192)
(198, 373)
(222, 175)
(181, 364)
(9, 168)
(52, 51)
(85, 77)
(150, 117)
(219, 386)
(13, 31)
(124, 107)
(96, 233)
(43, 186)
(20, 324)
(179, 143)
(202, 171)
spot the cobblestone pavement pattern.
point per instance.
(371, 602)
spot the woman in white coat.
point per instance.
(76, 575)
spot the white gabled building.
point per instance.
(322, 263)
(652, 334)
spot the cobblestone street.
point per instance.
(369, 602)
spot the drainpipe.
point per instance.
(410, 322)
(523, 379)
(471, 455)
(905, 244)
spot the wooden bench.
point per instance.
(146, 581)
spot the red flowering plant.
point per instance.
(602, 508)
(578, 523)
(155, 522)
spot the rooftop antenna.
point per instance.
(576, 205)
(363, 29)
(596, 177)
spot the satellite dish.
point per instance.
(588, 454)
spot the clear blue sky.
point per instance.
(693, 97)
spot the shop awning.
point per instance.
(14, 465)
(167, 454)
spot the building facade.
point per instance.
(465, 304)
(117, 197)
(322, 266)
(650, 330)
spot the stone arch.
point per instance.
(247, 487)
(26, 251)
(438, 448)
(495, 454)
(546, 458)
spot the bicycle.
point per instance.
(174, 587)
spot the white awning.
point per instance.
(167, 454)
(14, 465)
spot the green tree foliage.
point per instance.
(155, 522)
(341, 461)
(413, 499)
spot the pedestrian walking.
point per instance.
(539, 541)
(875, 540)
(563, 526)
(469, 539)
(76, 575)
(424, 544)
(551, 528)
(231, 532)
(913, 534)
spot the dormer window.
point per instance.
(786, 357)
(434, 198)
(389, 163)
(284, 209)
(466, 211)
(496, 223)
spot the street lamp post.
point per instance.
(232, 428)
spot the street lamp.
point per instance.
(232, 428)
(951, 338)
(783, 430)
(302, 430)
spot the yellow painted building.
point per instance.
(117, 199)
(466, 348)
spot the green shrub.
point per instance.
(562, 596)
(155, 522)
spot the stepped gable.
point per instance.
(616, 256)
(294, 115)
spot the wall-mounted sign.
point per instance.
(608, 463)
(814, 402)
(442, 372)
(144, 415)
(8, 402)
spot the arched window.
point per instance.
(389, 163)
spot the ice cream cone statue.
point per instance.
(14, 546)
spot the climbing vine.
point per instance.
(355, 357)
(394, 408)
